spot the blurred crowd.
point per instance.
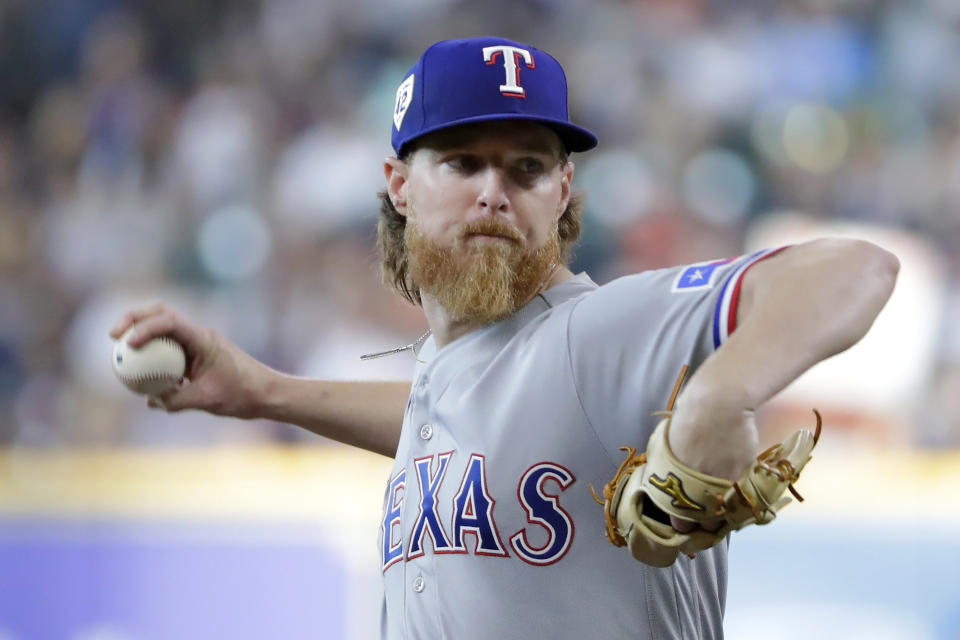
(225, 157)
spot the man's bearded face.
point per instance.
(480, 279)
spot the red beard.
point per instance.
(479, 281)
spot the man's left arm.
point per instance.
(801, 306)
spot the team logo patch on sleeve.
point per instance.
(698, 277)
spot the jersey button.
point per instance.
(418, 584)
(426, 432)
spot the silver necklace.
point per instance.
(413, 346)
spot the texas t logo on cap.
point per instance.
(511, 64)
(479, 79)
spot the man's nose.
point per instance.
(493, 192)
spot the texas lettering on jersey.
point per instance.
(471, 512)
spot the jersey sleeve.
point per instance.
(629, 339)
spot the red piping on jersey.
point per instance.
(735, 296)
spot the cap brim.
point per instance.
(574, 138)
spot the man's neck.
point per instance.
(446, 329)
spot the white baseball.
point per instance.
(153, 369)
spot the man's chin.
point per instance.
(478, 296)
(482, 280)
(483, 315)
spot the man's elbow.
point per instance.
(873, 272)
(878, 267)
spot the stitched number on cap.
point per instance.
(404, 98)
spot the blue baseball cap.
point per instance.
(480, 79)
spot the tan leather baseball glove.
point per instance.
(652, 486)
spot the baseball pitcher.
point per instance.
(532, 378)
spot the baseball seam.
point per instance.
(157, 375)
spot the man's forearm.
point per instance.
(368, 415)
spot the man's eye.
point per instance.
(531, 165)
(464, 163)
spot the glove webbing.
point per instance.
(781, 467)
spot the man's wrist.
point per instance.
(263, 394)
(712, 428)
(715, 393)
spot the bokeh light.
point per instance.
(719, 186)
(619, 185)
(234, 243)
(815, 137)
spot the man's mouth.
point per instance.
(490, 236)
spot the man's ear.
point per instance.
(396, 172)
(566, 182)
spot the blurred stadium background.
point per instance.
(224, 157)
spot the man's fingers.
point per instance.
(167, 323)
(170, 401)
(683, 526)
(153, 327)
(186, 395)
(132, 317)
(711, 526)
(686, 526)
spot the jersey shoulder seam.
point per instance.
(576, 387)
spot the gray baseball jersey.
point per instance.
(489, 529)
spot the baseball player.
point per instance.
(532, 377)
